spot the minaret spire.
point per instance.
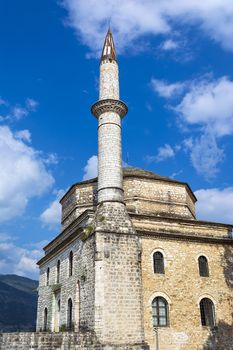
(108, 52)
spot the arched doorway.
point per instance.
(70, 314)
(45, 319)
(57, 308)
(77, 307)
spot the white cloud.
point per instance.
(23, 135)
(206, 108)
(90, 169)
(23, 174)
(164, 152)
(166, 90)
(215, 204)
(17, 112)
(51, 158)
(31, 104)
(18, 260)
(205, 155)
(133, 19)
(169, 45)
(52, 215)
(209, 104)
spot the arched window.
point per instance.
(47, 277)
(160, 312)
(158, 262)
(207, 312)
(71, 264)
(69, 314)
(45, 319)
(203, 266)
(58, 271)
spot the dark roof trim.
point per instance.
(73, 225)
(60, 246)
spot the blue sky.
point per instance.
(176, 76)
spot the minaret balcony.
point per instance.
(109, 105)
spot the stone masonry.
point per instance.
(98, 283)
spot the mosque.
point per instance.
(133, 268)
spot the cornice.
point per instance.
(185, 237)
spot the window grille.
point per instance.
(203, 266)
(158, 262)
(207, 312)
(160, 312)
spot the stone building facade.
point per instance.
(133, 268)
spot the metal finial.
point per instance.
(108, 52)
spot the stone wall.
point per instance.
(59, 341)
(79, 287)
(183, 288)
(161, 198)
(142, 196)
(78, 199)
(118, 302)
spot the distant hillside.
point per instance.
(18, 300)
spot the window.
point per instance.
(58, 271)
(203, 266)
(160, 312)
(45, 319)
(158, 262)
(69, 314)
(207, 312)
(71, 264)
(47, 278)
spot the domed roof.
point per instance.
(130, 171)
(140, 173)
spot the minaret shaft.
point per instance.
(109, 80)
(110, 186)
(109, 110)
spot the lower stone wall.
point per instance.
(59, 341)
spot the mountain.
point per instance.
(18, 300)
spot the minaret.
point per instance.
(118, 281)
(109, 110)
